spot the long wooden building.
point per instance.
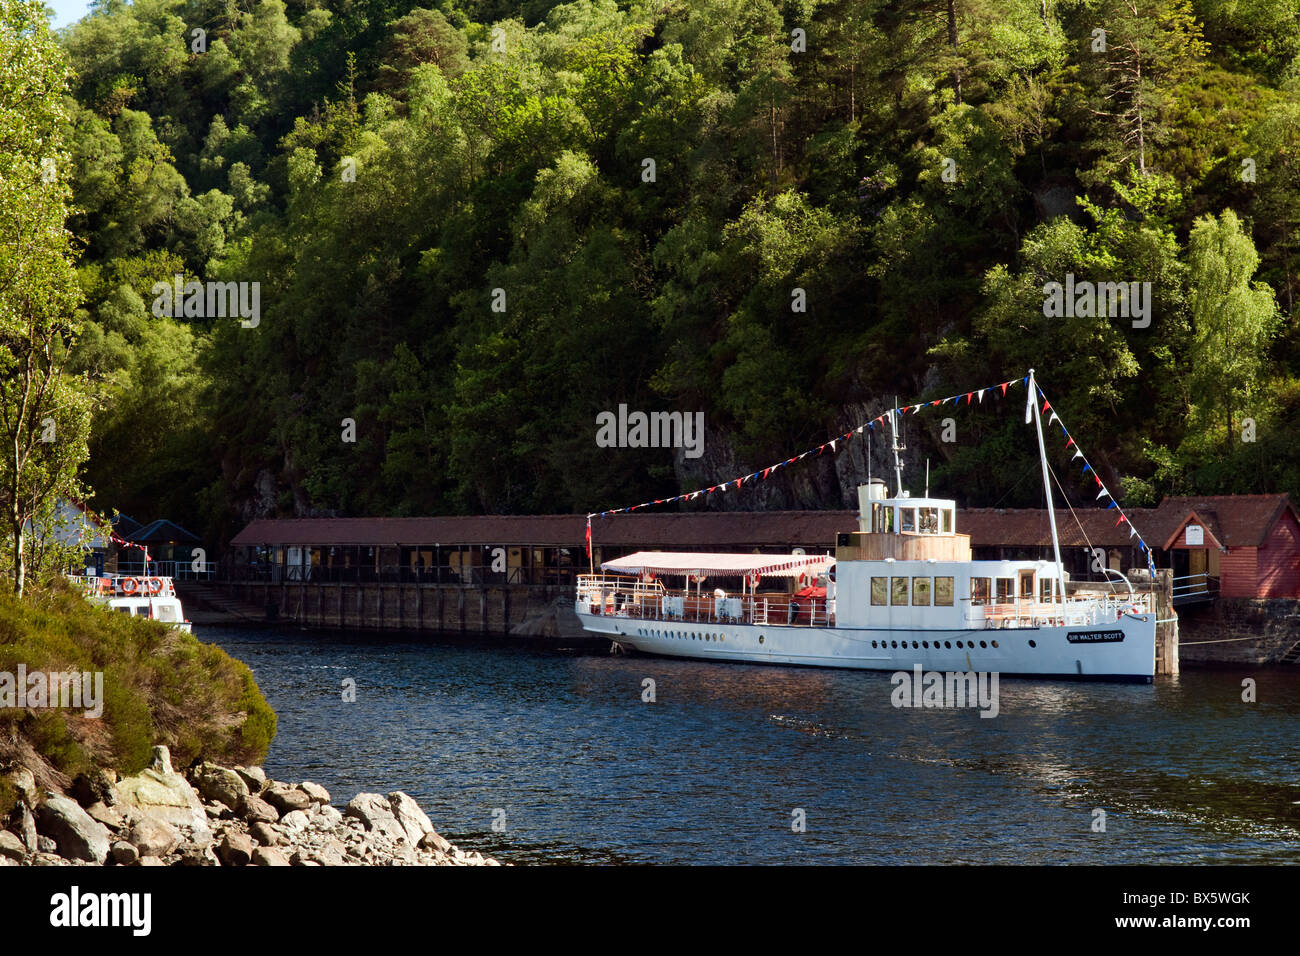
(1243, 545)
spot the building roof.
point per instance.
(1029, 527)
(719, 565)
(162, 531)
(699, 529)
(1234, 520)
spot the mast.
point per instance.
(898, 465)
(1047, 486)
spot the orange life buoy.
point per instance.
(130, 585)
(154, 585)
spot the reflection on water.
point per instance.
(713, 769)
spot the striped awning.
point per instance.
(719, 565)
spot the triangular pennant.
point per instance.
(1121, 520)
(832, 443)
(766, 472)
(1103, 492)
(1004, 389)
(981, 395)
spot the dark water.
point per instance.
(713, 770)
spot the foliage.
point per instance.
(920, 169)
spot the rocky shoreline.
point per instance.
(215, 816)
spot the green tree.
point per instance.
(1233, 317)
(44, 413)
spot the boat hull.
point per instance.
(1119, 650)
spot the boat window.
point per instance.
(1027, 584)
(947, 521)
(929, 520)
(123, 609)
(943, 592)
(979, 590)
(879, 591)
(166, 613)
(898, 591)
(1045, 590)
(1006, 590)
(921, 592)
(883, 519)
(906, 519)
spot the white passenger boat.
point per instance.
(137, 595)
(900, 591)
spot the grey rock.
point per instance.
(163, 794)
(254, 778)
(264, 834)
(295, 820)
(161, 759)
(152, 861)
(94, 787)
(109, 816)
(154, 837)
(24, 781)
(194, 854)
(219, 784)
(25, 826)
(79, 837)
(328, 817)
(123, 854)
(286, 799)
(269, 856)
(254, 809)
(236, 849)
(375, 814)
(409, 816)
(315, 791)
(11, 847)
(433, 840)
(45, 845)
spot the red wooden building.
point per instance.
(1249, 543)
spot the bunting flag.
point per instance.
(588, 537)
(1103, 491)
(833, 444)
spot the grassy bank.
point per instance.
(159, 686)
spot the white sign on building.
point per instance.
(1194, 536)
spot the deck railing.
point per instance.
(615, 596)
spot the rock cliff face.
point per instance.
(218, 816)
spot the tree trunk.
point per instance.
(952, 40)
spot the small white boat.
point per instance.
(145, 596)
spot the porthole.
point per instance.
(760, 638)
(959, 645)
(983, 646)
(894, 644)
(1032, 644)
(916, 646)
(873, 644)
(948, 644)
(926, 645)
(995, 645)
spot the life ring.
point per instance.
(130, 585)
(154, 585)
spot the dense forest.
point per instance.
(475, 226)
